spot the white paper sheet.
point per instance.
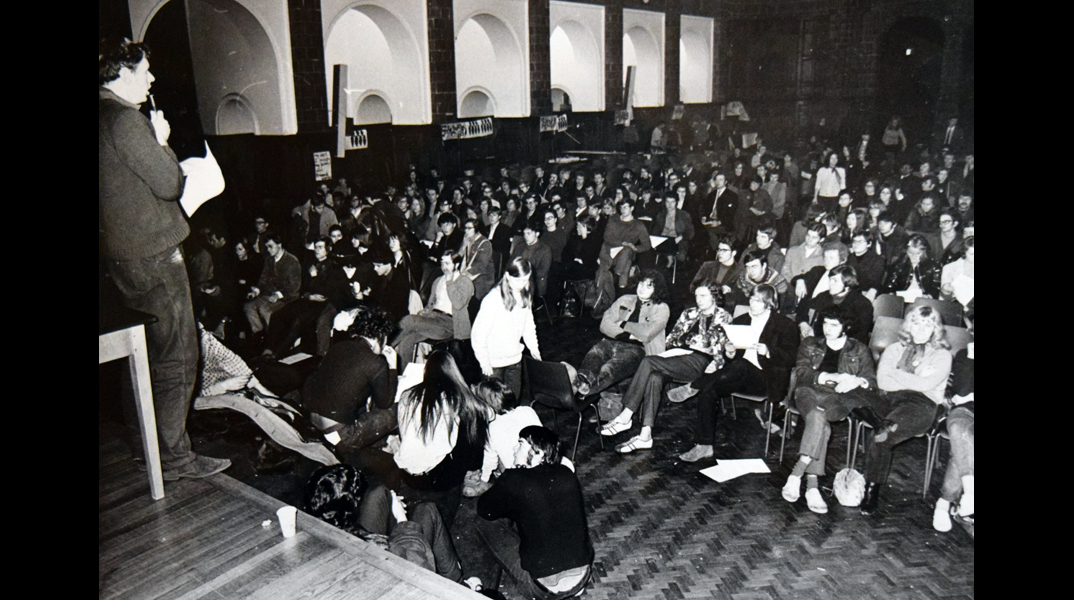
(726, 470)
(615, 251)
(656, 240)
(204, 181)
(675, 352)
(742, 336)
(295, 358)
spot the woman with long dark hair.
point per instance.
(442, 431)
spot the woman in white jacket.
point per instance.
(503, 323)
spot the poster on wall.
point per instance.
(322, 165)
(464, 130)
(357, 140)
(553, 123)
(678, 112)
(622, 117)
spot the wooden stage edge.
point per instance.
(205, 539)
(368, 553)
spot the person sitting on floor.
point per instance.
(697, 344)
(958, 480)
(760, 369)
(533, 520)
(445, 317)
(634, 328)
(351, 394)
(340, 496)
(833, 373)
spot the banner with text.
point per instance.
(322, 165)
(554, 123)
(357, 140)
(466, 129)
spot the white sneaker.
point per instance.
(792, 490)
(941, 517)
(815, 502)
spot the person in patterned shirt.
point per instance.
(696, 345)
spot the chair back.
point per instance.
(885, 332)
(888, 305)
(547, 383)
(958, 337)
(950, 312)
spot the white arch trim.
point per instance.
(245, 103)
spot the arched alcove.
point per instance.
(373, 109)
(695, 59)
(640, 50)
(577, 62)
(234, 55)
(476, 103)
(235, 116)
(488, 55)
(382, 52)
(909, 65)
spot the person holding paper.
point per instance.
(141, 225)
(674, 224)
(624, 238)
(833, 374)
(761, 367)
(695, 345)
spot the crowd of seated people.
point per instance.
(802, 244)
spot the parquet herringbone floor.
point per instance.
(661, 530)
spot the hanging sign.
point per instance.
(466, 129)
(554, 123)
(357, 140)
(322, 165)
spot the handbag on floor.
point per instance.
(849, 487)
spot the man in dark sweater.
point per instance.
(140, 226)
(534, 520)
(280, 282)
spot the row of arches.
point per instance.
(241, 59)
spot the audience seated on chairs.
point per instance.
(538, 254)
(912, 378)
(842, 291)
(813, 282)
(832, 375)
(956, 278)
(445, 317)
(350, 396)
(291, 321)
(946, 242)
(675, 224)
(533, 520)
(958, 480)
(868, 265)
(800, 259)
(760, 368)
(278, 286)
(340, 496)
(891, 238)
(696, 345)
(724, 271)
(630, 237)
(756, 272)
(477, 259)
(765, 241)
(914, 273)
(634, 326)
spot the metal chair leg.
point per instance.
(768, 428)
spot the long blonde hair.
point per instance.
(928, 314)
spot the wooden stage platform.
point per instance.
(207, 539)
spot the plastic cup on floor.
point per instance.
(287, 516)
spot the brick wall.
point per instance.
(442, 59)
(307, 60)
